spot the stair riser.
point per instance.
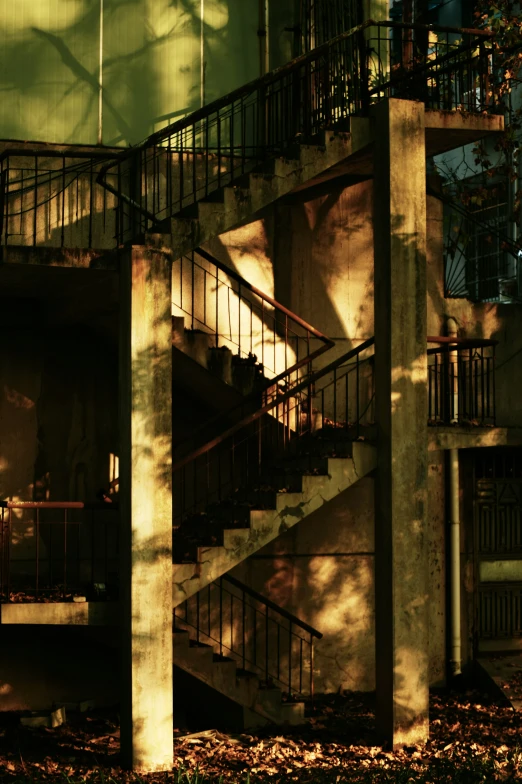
(216, 218)
(266, 525)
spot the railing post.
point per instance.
(312, 669)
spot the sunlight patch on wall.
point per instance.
(350, 595)
(24, 14)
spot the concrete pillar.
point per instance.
(146, 509)
(401, 557)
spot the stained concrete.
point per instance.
(145, 393)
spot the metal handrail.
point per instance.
(273, 302)
(257, 106)
(310, 331)
(278, 400)
(272, 605)
(260, 636)
(274, 75)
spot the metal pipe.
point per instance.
(263, 34)
(202, 54)
(100, 80)
(453, 487)
(453, 380)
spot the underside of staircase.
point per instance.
(261, 703)
(243, 529)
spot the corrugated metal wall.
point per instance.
(49, 54)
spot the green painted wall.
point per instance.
(49, 55)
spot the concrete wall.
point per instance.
(152, 63)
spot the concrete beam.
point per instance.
(146, 509)
(77, 258)
(472, 437)
(401, 557)
(60, 614)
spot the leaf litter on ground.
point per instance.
(473, 739)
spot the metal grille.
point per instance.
(499, 611)
(498, 536)
(482, 262)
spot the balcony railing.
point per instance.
(258, 634)
(461, 382)
(53, 550)
(215, 145)
(51, 199)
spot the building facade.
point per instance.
(249, 424)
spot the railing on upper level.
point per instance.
(258, 634)
(218, 301)
(461, 381)
(445, 68)
(217, 144)
(52, 550)
(335, 402)
(51, 198)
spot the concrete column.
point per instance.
(401, 557)
(146, 509)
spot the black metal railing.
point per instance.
(258, 634)
(214, 146)
(50, 198)
(461, 382)
(482, 262)
(57, 549)
(241, 463)
(445, 68)
(265, 336)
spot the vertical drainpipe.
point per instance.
(263, 35)
(454, 509)
(100, 79)
(453, 485)
(202, 54)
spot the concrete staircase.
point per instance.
(261, 704)
(239, 201)
(209, 545)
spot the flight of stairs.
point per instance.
(239, 201)
(261, 703)
(209, 545)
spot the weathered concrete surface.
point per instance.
(503, 673)
(401, 554)
(241, 203)
(471, 437)
(268, 524)
(322, 571)
(146, 510)
(77, 258)
(61, 613)
(222, 675)
(446, 130)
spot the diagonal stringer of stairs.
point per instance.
(289, 508)
(261, 703)
(239, 201)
